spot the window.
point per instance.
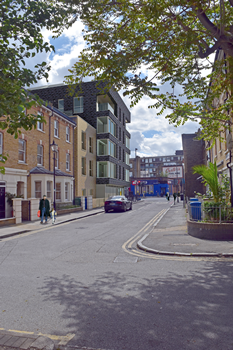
(1, 143)
(22, 150)
(90, 144)
(127, 143)
(39, 155)
(67, 161)
(84, 192)
(146, 160)
(68, 134)
(49, 189)
(106, 169)
(40, 125)
(150, 160)
(126, 175)
(123, 137)
(119, 172)
(90, 167)
(123, 121)
(66, 191)
(58, 191)
(61, 105)
(84, 166)
(84, 140)
(111, 127)
(111, 149)
(102, 125)
(56, 134)
(78, 104)
(38, 189)
(127, 158)
(143, 160)
(56, 159)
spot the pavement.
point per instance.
(168, 237)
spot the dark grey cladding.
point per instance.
(90, 91)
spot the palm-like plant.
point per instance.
(210, 177)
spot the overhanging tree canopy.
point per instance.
(21, 23)
(171, 40)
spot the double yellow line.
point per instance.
(128, 245)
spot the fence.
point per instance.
(210, 212)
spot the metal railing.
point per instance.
(209, 212)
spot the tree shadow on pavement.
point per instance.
(178, 312)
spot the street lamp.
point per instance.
(54, 147)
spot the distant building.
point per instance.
(166, 171)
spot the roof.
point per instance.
(41, 170)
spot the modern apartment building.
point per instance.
(107, 113)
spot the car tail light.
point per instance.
(107, 202)
(119, 202)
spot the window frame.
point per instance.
(68, 134)
(67, 161)
(84, 141)
(40, 155)
(38, 193)
(56, 128)
(79, 108)
(84, 166)
(59, 100)
(91, 170)
(1, 143)
(22, 151)
(91, 144)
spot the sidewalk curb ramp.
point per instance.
(10, 340)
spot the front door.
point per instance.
(2, 202)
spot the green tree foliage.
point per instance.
(220, 191)
(170, 40)
(21, 23)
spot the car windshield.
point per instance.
(117, 198)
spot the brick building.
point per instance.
(29, 168)
(108, 115)
(194, 154)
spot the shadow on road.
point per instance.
(118, 312)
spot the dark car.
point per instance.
(120, 203)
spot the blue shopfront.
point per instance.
(151, 187)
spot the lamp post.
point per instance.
(54, 147)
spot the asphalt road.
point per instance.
(85, 280)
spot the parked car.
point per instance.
(119, 203)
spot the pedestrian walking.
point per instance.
(174, 196)
(168, 196)
(44, 208)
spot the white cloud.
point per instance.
(150, 134)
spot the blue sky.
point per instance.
(151, 134)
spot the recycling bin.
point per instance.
(195, 210)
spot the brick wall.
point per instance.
(194, 154)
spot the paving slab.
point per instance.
(170, 237)
(12, 340)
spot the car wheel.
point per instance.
(106, 211)
(125, 208)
